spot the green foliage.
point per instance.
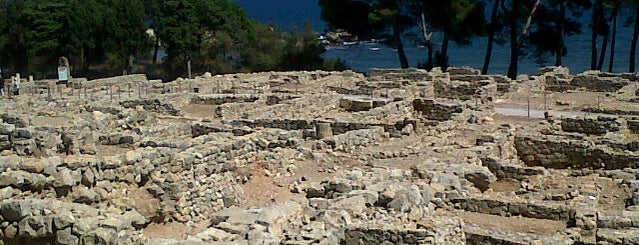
(350, 15)
(125, 27)
(111, 36)
(547, 34)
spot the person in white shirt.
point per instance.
(16, 86)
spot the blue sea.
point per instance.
(289, 13)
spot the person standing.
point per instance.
(16, 86)
(1, 85)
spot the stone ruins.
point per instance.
(396, 157)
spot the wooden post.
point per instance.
(188, 63)
(110, 92)
(528, 106)
(545, 104)
(598, 102)
(129, 90)
(119, 94)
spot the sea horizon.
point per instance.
(364, 56)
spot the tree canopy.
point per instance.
(108, 37)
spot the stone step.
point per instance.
(611, 236)
(502, 207)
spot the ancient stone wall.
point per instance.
(591, 126)
(561, 152)
(436, 110)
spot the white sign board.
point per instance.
(63, 73)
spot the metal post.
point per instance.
(119, 93)
(110, 92)
(129, 90)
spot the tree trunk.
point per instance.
(514, 43)
(491, 37)
(615, 14)
(602, 56)
(562, 31)
(443, 53)
(593, 38)
(397, 34)
(156, 49)
(633, 47)
(428, 42)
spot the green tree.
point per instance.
(351, 15)
(370, 19)
(599, 27)
(552, 26)
(302, 51)
(634, 5)
(493, 27)
(87, 33)
(179, 29)
(125, 26)
(518, 17)
(459, 21)
(614, 6)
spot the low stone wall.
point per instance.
(361, 137)
(471, 87)
(356, 236)
(480, 235)
(633, 126)
(436, 110)
(154, 105)
(593, 81)
(38, 221)
(399, 74)
(361, 103)
(288, 124)
(506, 171)
(516, 208)
(222, 99)
(118, 80)
(591, 126)
(618, 219)
(561, 152)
